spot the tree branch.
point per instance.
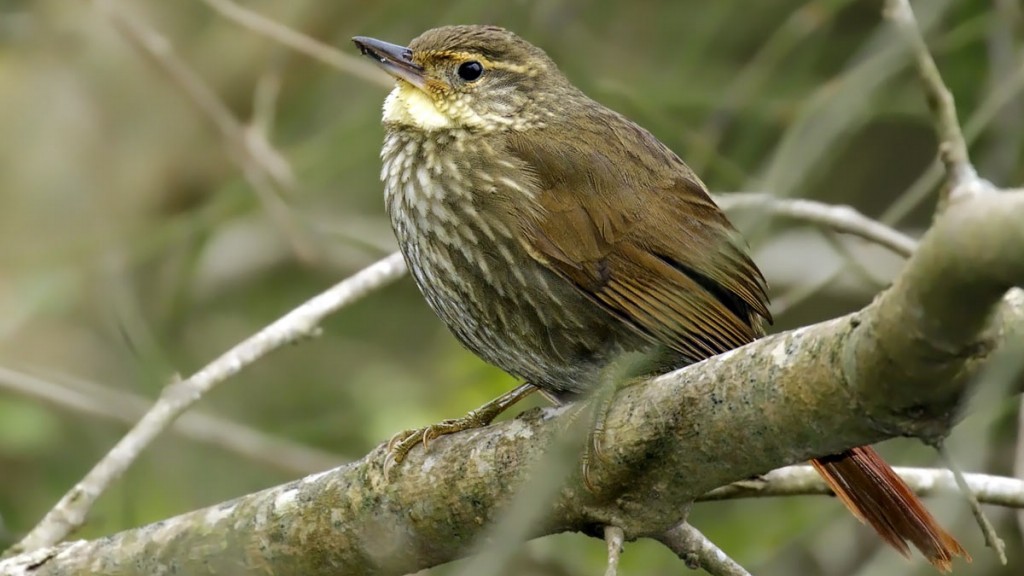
(697, 551)
(932, 318)
(265, 170)
(126, 408)
(300, 42)
(804, 480)
(897, 367)
(614, 539)
(303, 322)
(952, 146)
(836, 217)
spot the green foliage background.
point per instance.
(131, 249)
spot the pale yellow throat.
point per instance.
(409, 106)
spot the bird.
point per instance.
(553, 236)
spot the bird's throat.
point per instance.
(409, 106)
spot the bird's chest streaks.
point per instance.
(432, 200)
(472, 269)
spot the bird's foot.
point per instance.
(400, 444)
(594, 449)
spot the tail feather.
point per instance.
(878, 497)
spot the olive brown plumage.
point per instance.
(552, 235)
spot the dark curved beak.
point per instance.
(393, 59)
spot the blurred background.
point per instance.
(133, 247)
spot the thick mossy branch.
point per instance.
(908, 356)
(898, 367)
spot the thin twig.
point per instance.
(299, 42)
(961, 175)
(804, 481)
(179, 395)
(265, 97)
(698, 551)
(614, 538)
(1007, 91)
(259, 163)
(992, 540)
(260, 128)
(125, 407)
(840, 218)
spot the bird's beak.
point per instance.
(394, 59)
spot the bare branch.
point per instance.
(698, 551)
(840, 218)
(300, 42)
(992, 540)
(1006, 92)
(127, 408)
(259, 162)
(974, 248)
(179, 395)
(261, 127)
(614, 538)
(801, 480)
(960, 172)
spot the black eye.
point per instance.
(471, 70)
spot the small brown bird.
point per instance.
(553, 235)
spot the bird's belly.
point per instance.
(519, 317)
(509, 309)
(478, 278)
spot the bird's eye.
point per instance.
(471, 70)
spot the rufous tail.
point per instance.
(880, 498)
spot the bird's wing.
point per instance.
(644, 241)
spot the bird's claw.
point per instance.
(401, 444)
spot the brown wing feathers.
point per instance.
(698, 292)
(695, 291)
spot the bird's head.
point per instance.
(471, 77)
